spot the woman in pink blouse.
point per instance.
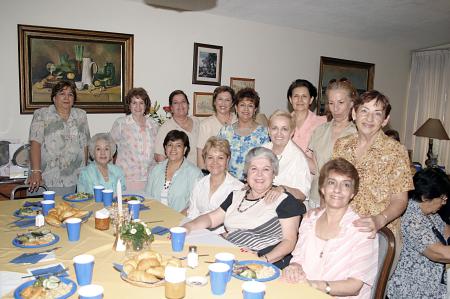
(301, 94)
(331, 254)
(135, 136)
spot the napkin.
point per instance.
(25, 223)
(33, 258)
(160, 230)
(9, 281)
(48, 270)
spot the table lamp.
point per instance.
(432, 128)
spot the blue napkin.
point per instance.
(28, 258)
(50, 271)
(160, 230)
(32, 204)
(144, 207)
(25, 223)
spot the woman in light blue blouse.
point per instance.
(171, 181)
(244, 134)
(101, 172)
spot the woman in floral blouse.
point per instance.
(244, 134)
(135, 136)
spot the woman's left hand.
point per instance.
(369, 224)
(273, 194)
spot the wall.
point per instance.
(164, 46)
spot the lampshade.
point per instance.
(432, 128)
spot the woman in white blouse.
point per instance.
(212, 189)
(294, 175)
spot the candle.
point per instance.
(119, 198)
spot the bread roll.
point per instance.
(147, 263)
(128, 268)
(138, 275)
(174, 262)
(156, 271)
(149, 254)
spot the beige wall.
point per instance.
(164, 47)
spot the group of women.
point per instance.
(261, 180)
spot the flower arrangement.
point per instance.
(158, 118)
(137, 233)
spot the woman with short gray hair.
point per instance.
(268, 229)
(101, 172)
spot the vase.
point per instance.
(134, 248)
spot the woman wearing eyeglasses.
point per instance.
(420, 272)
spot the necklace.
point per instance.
(167, 168)
(323, 249)
(256, 200)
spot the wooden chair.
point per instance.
(38, 193)
(386, 252)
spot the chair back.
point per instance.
(38, 193)
(386, 252)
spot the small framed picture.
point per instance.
(203, 104)
(207, 66)
(239, 83)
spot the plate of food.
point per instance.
(46, 287)
(35, 239)
(27, 212)
(146, 269)
(255, 270)
(62, 211)
(127, 197)
(78, 197)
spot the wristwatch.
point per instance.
(327, 288)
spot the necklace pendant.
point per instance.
(321, 254)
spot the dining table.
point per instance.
(99, 243)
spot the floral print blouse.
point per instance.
(136, 148)
(241, 145)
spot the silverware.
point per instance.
(43, 251)
(155, 221)
(47, 273)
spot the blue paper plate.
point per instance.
(66, 198)
(83, 219)
(243, 263)
(127, 197)
(16, 213)
(29, 283)
(16, 243)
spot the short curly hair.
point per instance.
(137, 92)
(342, 167)
(102, 136)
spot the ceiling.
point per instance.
(410, 24)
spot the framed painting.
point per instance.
(207, 66)
(203, 104)
(100, 64)
(361, 75)
(239, 83)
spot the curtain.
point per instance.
(428, 97)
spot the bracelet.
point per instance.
(327, 287)
(36, 170)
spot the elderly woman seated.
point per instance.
(212, 190)
(420, 272)
(171, 181)
(268, 229)
(331, 253)
(101, 172)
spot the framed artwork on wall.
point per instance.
(239, 83)
(361, 74)
(203, 104)
(100, 64)
(207, 66)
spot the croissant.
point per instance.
(148, 263)
(139, 275)
(52, 220)
(156, 271)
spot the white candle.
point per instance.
(119, 198)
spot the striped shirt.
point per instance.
(350, 255)
(254, 223)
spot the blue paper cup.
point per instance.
(73, 226)
(98, 193)
(107, 197)
(134, 206)
(91, 291)
(226, 258)
(84, 267)
(178, 235)
(218, 276)
(253, 290)
(47, 205)
(49, 195)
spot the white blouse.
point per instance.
(200, 203)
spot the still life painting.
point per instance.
(98, 63)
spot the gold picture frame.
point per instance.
(238, 83)
(203, 104)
